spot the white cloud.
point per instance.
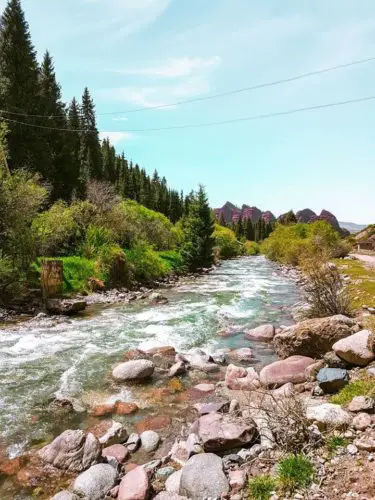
(116, 137)
(120, 119)
(176, 67)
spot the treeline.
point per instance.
(246, 230)
(60, 141)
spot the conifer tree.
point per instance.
(74, 123)
(249, 230)
(19, 86)
(197, 247)
(239, 229)
(222, 220)
(90, 153)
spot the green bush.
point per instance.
(147, 264)
(10, 280)
(226, 245)
(295, 471)
(333, 443)
(173, 260)
(114, 266)
(289, 244)
(96, 239)
(361, 387)
(261, 487)
(251, 248)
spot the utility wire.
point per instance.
(216, 96)
(210, 124)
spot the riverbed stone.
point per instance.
(204, 408)
(134, 485)
(331, 380)
(172, 484)
(239, 378)
(119, 451)
(199, 360)
(358, 349)
(165, 495)
(178, 368)
(153, 423)
(333, 361)
(157, 298)
(362, 404)
(96, 482)
(242, 354)
(65, 495)
(361, 421)
(137, 369)
(116, 434)
(73, 451)
(203, 477)
(205, 387)
(313, 337)
(219, 432)
(292, 369)
(133, 442)
(328, 415)
(263, 333)
(150, 440)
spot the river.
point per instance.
(74, 358)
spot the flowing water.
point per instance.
(74, 358)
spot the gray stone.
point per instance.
(96, 482)
(72, 451)
(136, 369)
(172, 484)
(150, 440)
(179, 368)
(361, 403)
(361, 421)
(328, 415)
(133, 442)
(203, 477)
(263, 333)
(333, 361)
(204, 408)
(193, 445)
(116, 434)
(165, 471)
(164, 495)
(332, 380)
(356, 349)
(65, 495)
(249, 453)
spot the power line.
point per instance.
(210, 124)
(215, 96)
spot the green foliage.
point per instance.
(289, 243)
(198, 226)
(333, 443)
(173, 260)
(261, 487)
(362, 387)
(96, 239)
(251, 248)
(288, 218)
(295, 471)
(10, 280)
(114, 266)
(226, 244)
(146, 263)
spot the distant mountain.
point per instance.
(232, 213)
(352, 227)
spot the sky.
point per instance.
(135, 54)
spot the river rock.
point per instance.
(242, 355)
(133, 442)
(203, 477)
(361, 404)
(204, 408)
(96, 482)
(118, 451)
(172, 484)
(264, 333)
(150, 440)
(137, 369)
(333, 361)
(134, 485)
(237, 480)
(65, 495)
(115, 434)
(328, 415)
(157, 298)
(199, 360)
(313, 337)
(164, 495)
(73, 451)
(358, 349)
(193, 445)
(292, 369)
(365, 443)
(219, 431)
(361, 421)
(238, 378)
(65, 306)
(178, 368)
(331, 380)
(205, 387)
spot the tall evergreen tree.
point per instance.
(249, 230)
(197, 247)
(239, 229)
(222, 220)
(74, 138)
(19, 86)
(90, 153)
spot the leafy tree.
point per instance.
(198, 241)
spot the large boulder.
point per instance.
(328, 416)
(134, 485)
(238, 378)
(263, 333)
(292, 369)
(313, 337)
(203, 477)
(96, 482)
(332, 380)
(137, 369)
(358, 349)
(73, 451)
(219, 432)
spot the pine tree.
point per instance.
(19, 86)
(74, 123)
(90, 153)
(197, 247)
(249, 230)
(222, 220)
(239, 229)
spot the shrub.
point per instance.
(295, 471)
(251, 248)
(333, 443)
(261, 487)
(55, 230)
(10, 280)
(147, 264)
(173, 260)
(114, 266)
(96, 239)
(361, 387)
(226, 244)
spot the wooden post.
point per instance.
(52, 278)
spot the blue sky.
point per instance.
(138, 53)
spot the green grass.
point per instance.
(294, 472)
(333, 443)
(147, 264)
(261, 487)
(362, 288)
(360, 387)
